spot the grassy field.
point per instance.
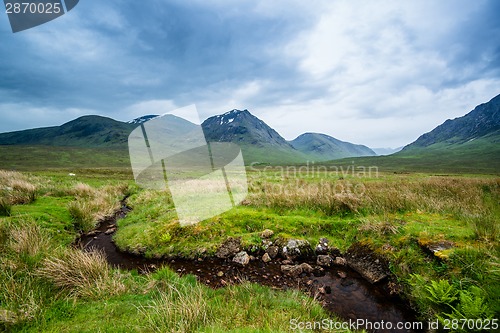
(51, 287)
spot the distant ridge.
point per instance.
(86, 131)
(322, 147)
(482, 123)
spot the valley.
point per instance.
(413, 234)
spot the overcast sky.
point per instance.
(379, 73)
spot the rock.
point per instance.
(110, 231)
(363, 260)
(266, 257)
(339, 261)
(296, 248)
(306, 267)
(242, 258)
(272, 251)
(324, 260)
(220, 274)
(229, 248)
(296, 270)
(322, 247)
(341, 274)
(319, 271)
(436, 248)
(287, 262)
(266, 243)
(266, 234)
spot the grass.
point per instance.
(48, 286)
(392, 213)
(85, 274)
(51, 287)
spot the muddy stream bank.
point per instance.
(340, 289)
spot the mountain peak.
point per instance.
(241, 127)
(480, 122)
(143, 119)
(324, 147)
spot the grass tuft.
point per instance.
(85, 274)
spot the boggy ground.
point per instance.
(438, 235)
(340, 289)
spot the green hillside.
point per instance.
(86, 131)
(321, 147)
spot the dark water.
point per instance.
(340, 289)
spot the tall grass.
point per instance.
(5, 206)
(179, 308)
(15, 189)
(29, 239)
(454, 195)
(85, 274)
(184, 305)
(93, 205)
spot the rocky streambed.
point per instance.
(353, 285)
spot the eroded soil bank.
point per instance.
(340, 289)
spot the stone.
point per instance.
(266, 257)
(266, 234)
(363, 260)
(436, 248)
(296, 248)
(322, 247)
(341, 274)
(220, 274)
(339, 261)
(272, 251)
(229, 248)
(242, 258)
(296, 270)
(324, 260)
(319, 271)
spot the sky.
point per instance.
(374, 73)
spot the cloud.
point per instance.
(20, 116)
(379, 74)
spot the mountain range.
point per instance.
(470, 142)
(259, 142)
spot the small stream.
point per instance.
(340, 289)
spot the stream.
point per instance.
(340, 289)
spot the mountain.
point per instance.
(259, 142)
(470, 143)
(322, 147)
(242, 127)
(482, 123)
(143, 119)
(86, 131)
